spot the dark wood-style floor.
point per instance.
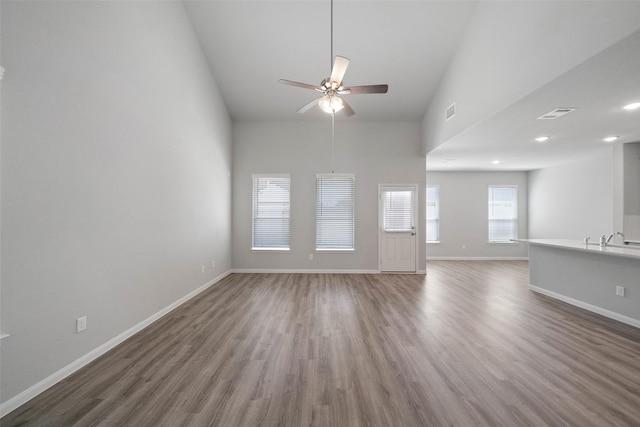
(466, 345)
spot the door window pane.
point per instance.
(398, 210)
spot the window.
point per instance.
(271, 208)
(433, 213)
(398, 210)
(335, 212)
(503, 213)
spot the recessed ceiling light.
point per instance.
(542, 138)
(495, 162)
(610, 138)
(632, 106)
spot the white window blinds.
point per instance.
(271, 208)
(335, 212)
(398, 210)
(503, 213)
(433, 213)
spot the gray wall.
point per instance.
(463, 214)
(116, 164)
(575, 200)
(588, 280)
(377, 153)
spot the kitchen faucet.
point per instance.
(604, 240)
(614, 234)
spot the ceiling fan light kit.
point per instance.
(331, 87)
(330, 104)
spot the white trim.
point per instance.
(301, 270)
(331, 176)
(58, 376)
(335, 251)
(489, 200)
(455, 258)
(255, 179)
(334, 175)
(593, 308)
(437, 209)
(270, 175)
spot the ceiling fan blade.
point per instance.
(339, 68)
(302, 85)
(309, 105)
(347, 108)
(368, 89)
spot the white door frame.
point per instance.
(416, 211)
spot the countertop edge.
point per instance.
(578, 245)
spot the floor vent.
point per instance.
(558, 112)
(451, 111)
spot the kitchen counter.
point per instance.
(603, 280)
(593, 247)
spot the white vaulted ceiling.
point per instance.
(252, 44)
(572, 55)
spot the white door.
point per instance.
(397, 240)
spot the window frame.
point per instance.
(437, 211)
(336, 249)
(254, 180)
(514, 219)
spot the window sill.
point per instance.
(434, 242)
(277, 250)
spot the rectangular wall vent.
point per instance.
(451, 111)
(558, 112)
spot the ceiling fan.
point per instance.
(331, 88)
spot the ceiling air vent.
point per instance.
(558, 112)
(451, 111)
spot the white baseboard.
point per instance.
(593, 308)
(275, 270)
(454, 258)
(58, 376)
(287, 270)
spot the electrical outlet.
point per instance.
(213, 264)
(310, 256)
(464, 247)
(620, 291)
(202, 269)
(81, 324)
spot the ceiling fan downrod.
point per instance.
(331, 57)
